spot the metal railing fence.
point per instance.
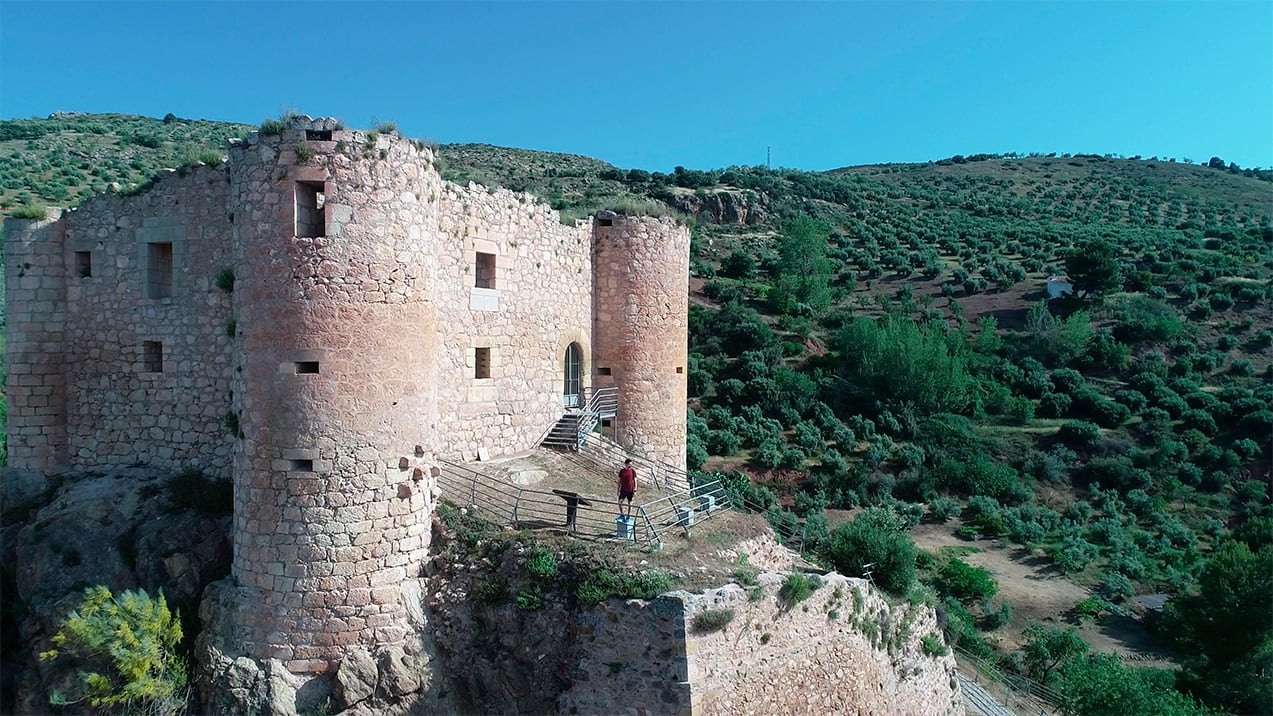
(502, 503)
(1017, 693)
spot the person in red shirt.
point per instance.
(627, 488)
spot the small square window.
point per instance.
(680, 369)
(84, 263)
(485, 271)
(603, 371)
(302, 465)
(152, 356)
(481, 362)
(306, 367)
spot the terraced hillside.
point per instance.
(874, 351)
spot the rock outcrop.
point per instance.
(724, 207)
(844, 649)
(70, 531)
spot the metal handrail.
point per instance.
(516, 506)
(1014, 683)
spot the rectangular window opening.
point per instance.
(159, 270)
(306, 367)
(152, 356)
(485, 270)
(481, 362)
(603, 371)
(605, 222)
(318, 135)
(84, 264)
(311, 215)
(302, 465)
(680, 369)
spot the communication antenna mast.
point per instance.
(769, 157)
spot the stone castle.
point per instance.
(318, 318)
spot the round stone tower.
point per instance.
(336, 390)
(640, 328)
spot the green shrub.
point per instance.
(967, 583)
(541, 563)
(224, 279)
(468, 527)
(712, 620)
(127, 646)
(796, 589)
(492, 590)
(643, 585)
(934, 645)
(590, 593)
(275, 126)
(1090, 608)
(1078, 433)
(943, 508)
(529, 599)
(875, 537)
(30, 211)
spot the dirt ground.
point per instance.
(707, 554)
(1039, 591)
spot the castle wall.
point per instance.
(148, 350)
(641, 329)
(540, 303)
(35, 300)
(843, 650)
(338, 388)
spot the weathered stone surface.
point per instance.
(637, 656)
(725, 207)
(300, 318)
(89, 528)
(355, 679)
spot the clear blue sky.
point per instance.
(703, 85)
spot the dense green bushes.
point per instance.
(875, 537)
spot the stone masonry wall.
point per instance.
(154, 258)
(843, 650)
(338, 398)
(641, 324)
(35, 299)
(540, 303)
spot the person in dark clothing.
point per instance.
(627, 488)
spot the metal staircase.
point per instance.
(573, 428)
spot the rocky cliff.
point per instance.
(128, 528)
(843, 649)
(493, 638)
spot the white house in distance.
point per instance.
(1059, 286)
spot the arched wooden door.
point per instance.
(572, 394)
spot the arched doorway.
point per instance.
(572, 394)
